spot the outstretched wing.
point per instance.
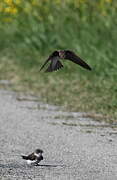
(70, 55)
(54, 54)
(44, 64)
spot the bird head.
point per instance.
(38, 151)
(62, 54)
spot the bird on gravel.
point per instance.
(34, 158)
(55, 57)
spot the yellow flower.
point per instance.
(14, 10)
(10, 2)
(7, 9)
(17, 1)
(11, 10)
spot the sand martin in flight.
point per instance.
(56, 64)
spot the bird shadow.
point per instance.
(13, 165)
(50, 165)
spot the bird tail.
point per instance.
(24, 157)
(54, 66)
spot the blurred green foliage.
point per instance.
(30, 30)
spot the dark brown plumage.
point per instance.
(55, 63)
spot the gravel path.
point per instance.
(75, 148)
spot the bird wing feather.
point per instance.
(54, 54)
(54, 65)
(29, 157)
(76, 59)
(44, 64)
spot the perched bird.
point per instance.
(55, 63)
(34, 158)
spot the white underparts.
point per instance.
(30, 162)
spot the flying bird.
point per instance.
(34, 158)
(55, 63)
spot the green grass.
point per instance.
(26, 43)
